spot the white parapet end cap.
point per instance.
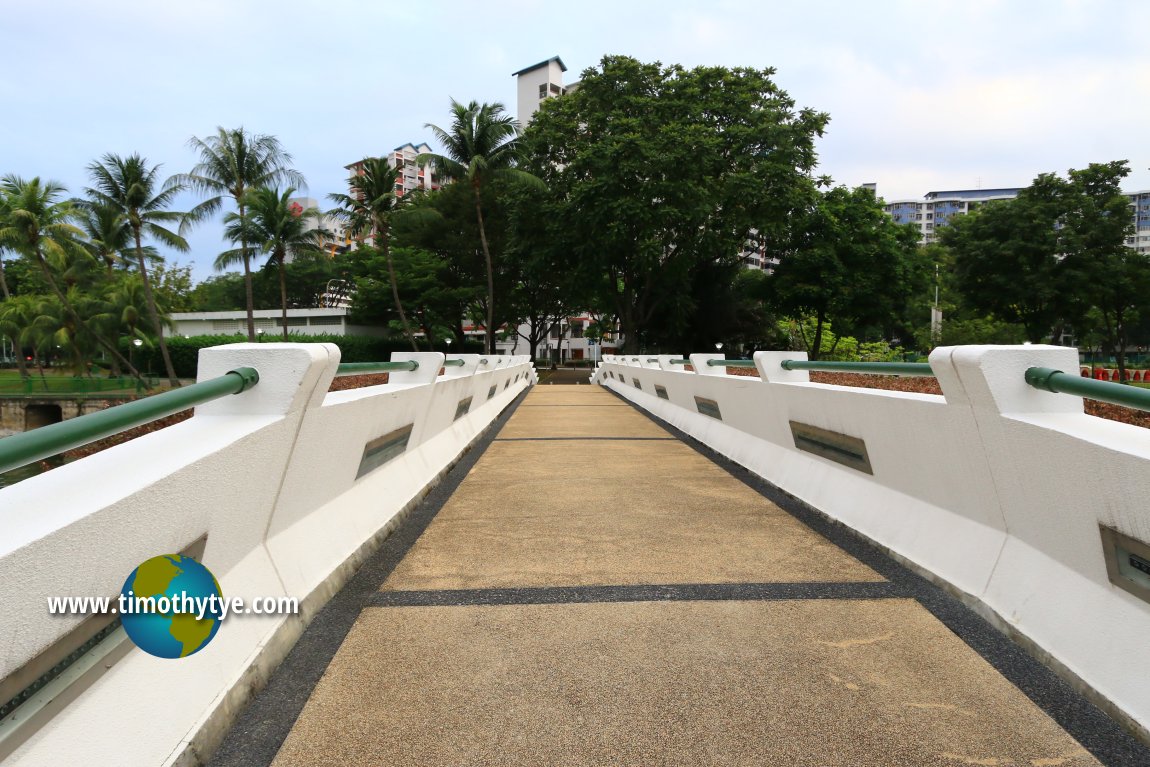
(994, 377)
(770, 366)
(699, 362)
(427, 372)
(290, 376)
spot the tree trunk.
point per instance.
(817, 347)
(490, 274)
(155, 312)
(248, 295)
(383, 227)
(283, 293)
(17, 351)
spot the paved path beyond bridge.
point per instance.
(597, 591)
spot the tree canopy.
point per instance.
(666, 171)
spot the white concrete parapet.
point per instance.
(281, 481)
(995, 488)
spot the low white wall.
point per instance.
(270, 477)
(994, 487)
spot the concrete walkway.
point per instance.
(596, 591)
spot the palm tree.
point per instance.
(37, 225)
(128, 185)
(481, 146)
(367, 210)
(277, 226)
(232, 162)
(4, 208)
(15, 317)
(107, 232)
(7, 329)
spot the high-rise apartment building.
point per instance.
(933, 211)
(1140, 209)
(411, 175)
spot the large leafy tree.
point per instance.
(480, 147)
(1007, 258)
(132, 187)
(367, 209)
(847, 260)
(663, 169)
(37, 224)
(1111, 278)
(232, 162)
(278, 227)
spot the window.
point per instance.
(555, 89)
(543, 91)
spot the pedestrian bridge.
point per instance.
(676, 566)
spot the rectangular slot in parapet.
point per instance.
(661, 392)
(491, 391)
(636, 382)
(708, 407)
(840, 448)
(44, 685)
(462, 408)
(1127, 562)
(382, 449)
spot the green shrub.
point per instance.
(185, 351)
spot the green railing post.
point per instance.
(1059, 382)
(38, 444)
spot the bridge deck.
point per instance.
(597, 591)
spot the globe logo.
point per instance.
(170, 606)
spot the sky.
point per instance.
(922, 96)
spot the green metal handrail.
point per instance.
(23, 449)
(731, 363)
(874, 368)
(679, 362)
(362, 368)
(453, 363)
(1059, 382)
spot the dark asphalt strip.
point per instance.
(685, 592)
(584, 439)
(1098, 733)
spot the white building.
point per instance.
(536, 83)
(308, 322)
(567, 341)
